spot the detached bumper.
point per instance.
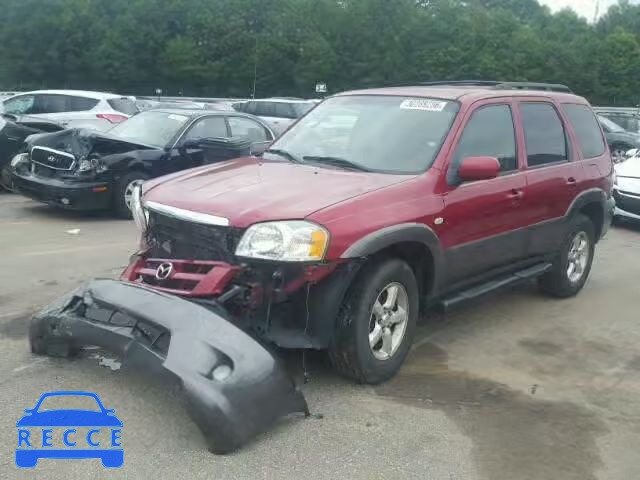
(234, 386)
(72, 196)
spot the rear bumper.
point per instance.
(73, 196)
(234, 386)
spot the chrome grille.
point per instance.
(54, 159)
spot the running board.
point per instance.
(457, 298)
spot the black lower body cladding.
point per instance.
(234, 386)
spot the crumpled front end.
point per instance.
(234, 386)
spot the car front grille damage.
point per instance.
(169, 237)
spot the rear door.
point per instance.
(553, 175)
(484, 226)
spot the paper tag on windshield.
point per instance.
(423, 104)
(179, 118)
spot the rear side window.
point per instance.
(265, 109)
(80, 104)
(123, 105)
(585, 126)
(488, 133)
(283, 110)
(544, 134)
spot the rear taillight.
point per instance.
(112, 117)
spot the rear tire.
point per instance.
(122, 193)
(572, 265)
(373, 307)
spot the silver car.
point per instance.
(626, 189)
(72, 108)
(279, 113)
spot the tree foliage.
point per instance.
(213, 47)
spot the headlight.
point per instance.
(93, 164)
(293, 241)
(21, 157)
(137, 210)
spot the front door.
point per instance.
(483, 225)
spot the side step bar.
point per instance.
(474, 292)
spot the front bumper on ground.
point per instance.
(234, 386)
(74, 196)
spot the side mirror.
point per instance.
(192, 143)
(29, 410)
(478, 168)
(258, 148)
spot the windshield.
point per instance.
(376, 133)
(150, 128)
(609, 125)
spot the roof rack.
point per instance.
(499, 85)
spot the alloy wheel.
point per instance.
(578, 257)
(388, 321)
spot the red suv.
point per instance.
(378, 205)
(374, 207)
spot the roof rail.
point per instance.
(500, 85)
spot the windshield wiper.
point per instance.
(283, 153)
(338, 162)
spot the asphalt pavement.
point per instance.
(515, 386)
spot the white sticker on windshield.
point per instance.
(179, 118)
(423, 104)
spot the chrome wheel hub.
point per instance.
(578, 257)
(128, 191)
(388, 321)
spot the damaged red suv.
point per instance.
(376, 206)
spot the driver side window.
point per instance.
(488, 133)
(208, 127)
(19, 105)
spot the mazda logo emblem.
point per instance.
(164, 271)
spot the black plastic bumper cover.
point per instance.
(234, 386)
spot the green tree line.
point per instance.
(218, 47)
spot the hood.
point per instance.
(83, 143)
(629, 168)
(250, 190)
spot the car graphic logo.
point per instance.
(52, 159)
(66, 429)
(164, 271)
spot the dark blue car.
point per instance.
(28, 457)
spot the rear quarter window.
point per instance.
(585, 125)
(123, 105)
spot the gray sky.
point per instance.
(585, 8)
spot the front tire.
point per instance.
(123, 193)
(572, 265)
(376, 323)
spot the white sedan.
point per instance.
(626, 189)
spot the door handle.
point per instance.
(515, 194)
